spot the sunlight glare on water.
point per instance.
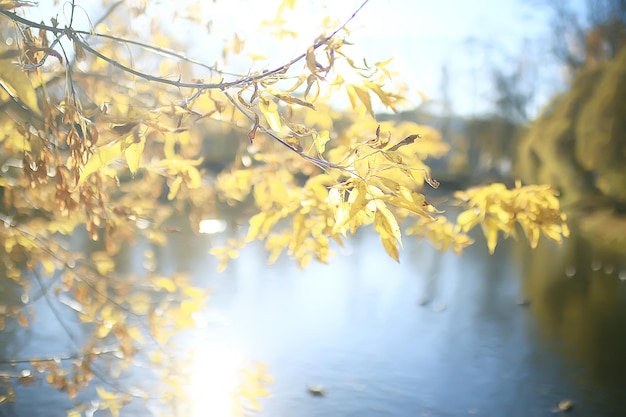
(212, 226)
(215, 379)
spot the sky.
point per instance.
(468, 38)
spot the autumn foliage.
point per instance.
(95, 139)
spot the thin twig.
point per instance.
(47, 248)
(243, 81)
(73, 5)
(73, 340)
(160, 50)
(66, 357)
(17, 18)
(109, 12)
(319, 162)
(54, 311)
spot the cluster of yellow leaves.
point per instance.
(279, 197)
(498, 209)
(372, 180)
(71, 378)
(111, 401)
(225, 254)
(382, 159)
(366, 81)
(441, 233)
(13, 312)
(252, 386)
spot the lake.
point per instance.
(512, 334)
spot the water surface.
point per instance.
(436, 335)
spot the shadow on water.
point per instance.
(438, 335)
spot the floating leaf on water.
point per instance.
(316, 390)
(438, 307)
(566, 405)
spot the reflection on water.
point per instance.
(215, 377)
(580, 305)
(212, 226)
(438, 335)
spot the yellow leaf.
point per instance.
(103, 330)
(294, 143)
(133, 154)
(387, 227)
(140, 303)
(269, 222)
(195, 179)
(18, 85)
(48, 266)
(387, 99)
(136, 334)
(109, 314)
(354, 100)
(286, 4)
(385, 222)
(391, 246)
(257, 57)
(311, 61)
(383, 67)
(11, 4)
(156, 356)
(353, 214)
(294, 100)
(320, 141)
(310, 81)
(364, 96)
(256, 222)
(276, 244)
(165, 283)
(193, 292)
(169, 147)
(174, 188)
(296, 129)
(100, 159)
(188, 307)
(237, 44)
(490, 229)
(104, 264)
(552, 231)
(106, 395)
(22, 320)
(183, 316)
(533, 235)
(468, 219)
(270, 111)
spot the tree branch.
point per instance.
(242, 81)
(319, 162)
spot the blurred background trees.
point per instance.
(579, 141)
